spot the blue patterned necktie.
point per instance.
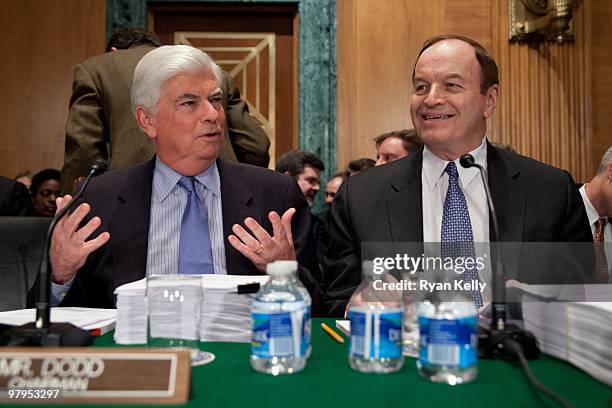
(195, 252)
(456, 237)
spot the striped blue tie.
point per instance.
(456, 237)
(195, 252)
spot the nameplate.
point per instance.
(94, 375)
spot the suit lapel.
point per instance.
(236, 199)
(405, 204)
(129, 225)
(508, 196)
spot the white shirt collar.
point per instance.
(592, 214)
(166, 179)
(433, 166)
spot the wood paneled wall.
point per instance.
(546, 97)
(544, 110)
(601, 78)
(40, 43)
(555, 100)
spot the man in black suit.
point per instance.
(455, 91)
(14, 197)
(135, 215)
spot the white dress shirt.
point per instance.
(168, 201)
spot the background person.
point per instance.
(395, 145)
(45, 189)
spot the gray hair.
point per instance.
(605, 161)
(163, 63)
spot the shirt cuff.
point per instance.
(58, 292)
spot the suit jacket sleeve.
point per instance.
(248, 139)
(342, 260)
(305, 251)
(576, 226)
(86, 128)
(577, 260)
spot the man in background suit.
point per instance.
(142, 217)
(396, 144)
(455, 91)
(597, 198)
(101, 125)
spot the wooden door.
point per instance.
(256, 44)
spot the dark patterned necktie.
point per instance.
(195, 251)
(457, 239)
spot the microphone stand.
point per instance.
(42, 332)
(497, 340)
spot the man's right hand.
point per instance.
(69, 245)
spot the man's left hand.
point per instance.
(259, 246)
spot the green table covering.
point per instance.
(327, 381)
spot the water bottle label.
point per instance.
(306, 330)
(376, 335)
(449, 343)
(274, 336)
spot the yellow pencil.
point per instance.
(332, 333)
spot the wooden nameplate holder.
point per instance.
(94, 375)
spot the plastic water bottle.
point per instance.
(410, 323)
(278, 312)
(307, 320)
(376, 326)
(448, 343)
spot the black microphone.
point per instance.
(42, 332)
(491, 344)
(499, 292)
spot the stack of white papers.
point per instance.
(131, 325)
(577, 332)
(225, 316)
(98, 320)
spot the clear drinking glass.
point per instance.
(174, 310)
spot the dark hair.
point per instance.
(488, 67)
(129, 37)
(358, 165)
(411, 142)
(41, 177)
(294, 161)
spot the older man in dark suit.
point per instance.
(429, 196)
(183, 210)
(101, 125)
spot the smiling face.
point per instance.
(448, 111)
(187, 126)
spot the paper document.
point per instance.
(577, 332)
(225, 314)
(85, 318)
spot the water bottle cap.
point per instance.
(281, 267)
